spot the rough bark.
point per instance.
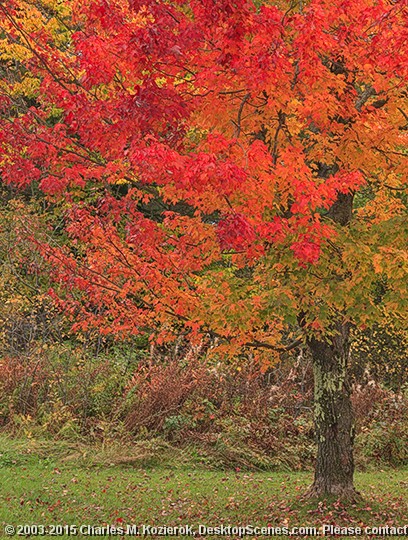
(334, 419)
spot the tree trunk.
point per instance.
(334, 419)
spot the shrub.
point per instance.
(382, 425)
(62, 390)
(157, 392)
(233, 414)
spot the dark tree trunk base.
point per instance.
(333, 417)
(340, 491)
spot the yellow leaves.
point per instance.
(30, 27)
(183, 78)
(6, 154)
(62, 7)
(60, 34)
(120, 181)
(295, 125)
(14, 51)
(393, 262)
(28, 87)
(161, 81)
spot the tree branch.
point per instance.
(239, 118)
(284, 348)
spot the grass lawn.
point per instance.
(49, 485)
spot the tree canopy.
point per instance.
(231, 169)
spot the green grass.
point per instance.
(62, 484)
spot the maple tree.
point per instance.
(235, 170)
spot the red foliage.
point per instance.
(235, 232)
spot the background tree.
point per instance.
(230, 170)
